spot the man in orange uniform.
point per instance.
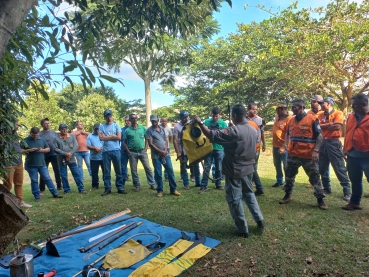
(316, 109)
(330, 151)
(357, 148)
(303, 138)
(279, 134)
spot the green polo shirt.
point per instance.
(135, 138)
(35, 159)
(219, 125)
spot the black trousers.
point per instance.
(54, 163)
(95, 164)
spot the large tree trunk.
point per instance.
(147, 101)
(12, 218)
(12, 13)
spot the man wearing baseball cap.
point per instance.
(65, 146)
(330, 152)
(95, 145)
(279, 133)
(110, 134)
(181, 152)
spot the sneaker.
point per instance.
(327, 191)
(286, 198)
(259, 192)
(106, 192)
(244, 235)
(42, 192)
(160, 194)
(276, 185)
(25, 205)
(346, 196)
(176, 193)
(351, 207)
(186, 187)
(203, 189)
(58, 196)
(309, 186)
(137, 188)
(37, 199)
(153, 187)
(261, 223)
(219, 188)
(83, 192)
(321, 204)
(122, 191)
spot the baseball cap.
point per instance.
(108, 112)
(317, 98)
(281, 104)
(329, 100)
(96, 126)
(63, 125)
(154, 117)
(183, 114)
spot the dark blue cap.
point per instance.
(63, 125)
(108, 112)
(329, 100)
(183, 114)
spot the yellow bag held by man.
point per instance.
(196, 144)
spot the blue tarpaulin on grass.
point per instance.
(71, 262)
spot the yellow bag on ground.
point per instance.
(123, 257)
(156, 264)
(197, 146)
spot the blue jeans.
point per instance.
(217, 157)
(165, 171)
(133, 159)
(236, 190)
(255, 175)
(158, 173)
(44, 174)
(108, 158)
(184, 174)
(73, 167)
(279, 160)
(80, 156)
(123, 163)
(95, 164)
(356, 167)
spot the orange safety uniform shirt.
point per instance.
(335, 117)
(311, 112)
(256, 127)
(302, 141)
(357, 135)
(279, 130)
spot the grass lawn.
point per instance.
(299, 239)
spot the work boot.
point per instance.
(244, 235)
(137, 188)
(286, 198)
(202, 190)
(60, 188)
(25, 205)
(261, 223)
(176, 193)
(106, 192)
(321, 204)
(351, 207)
(160, 194)
(219, 188)
(346, 196)
(276, 185)
(327, 191)
(186, 187)
(37, 199)
(122, 191)
(366, 195)
(309, 186)
(153, 187)
(83, 192)
(259, 192)
(58, 196)
(42, 192)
